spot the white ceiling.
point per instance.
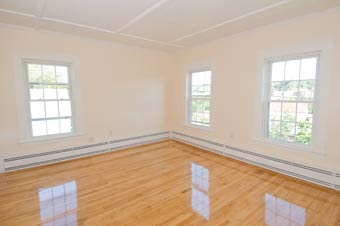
(163, 24)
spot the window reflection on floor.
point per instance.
(281, 212)
(58, 205)
(200, 201)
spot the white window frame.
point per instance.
(189, 99)
(72, 117)
(267, 96)
(22, 96)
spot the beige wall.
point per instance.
(237, 63)
(122, 88)
(144, 90)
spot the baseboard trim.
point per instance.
(316, 175)
(38, 159)
(324, 177)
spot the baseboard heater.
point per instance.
(316, 175)
(38, 159)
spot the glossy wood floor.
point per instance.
(164, 184)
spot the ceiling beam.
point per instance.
(109, 31)
(40, 17)
(39, 12)
(266, 8)
(142, 15)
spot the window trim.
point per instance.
(267, 91)
(188, 121)
(22, 96)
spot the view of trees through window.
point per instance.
(49, 99)
(291, 100)
(200, 83)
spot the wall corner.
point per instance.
(2, 168)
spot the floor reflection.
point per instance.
(281, 212)
(200, 201)
(58, 205)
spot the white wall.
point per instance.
(237, 64)
(144, 90)
(122, 88)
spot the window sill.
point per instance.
(51, 138)
(290, 146)
(193, 126)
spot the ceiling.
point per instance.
(161, 24)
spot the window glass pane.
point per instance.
(206, 106)
(64, 108)
(62, 74)
(207, 77)
(206, 117)
(194, 116)
(292, 70)
(275, 111)
(36, 92)
(278, 71)
(201, 78)
(303, 133)
(288, 131)
(291, 90)
(50, 92)
(274, 130)
(200, 111)
(207, 90)
(199, 117)
(65, 125)
(305, 112)
(199, 105)
(308, 68)
(34, 73)
(49, 74)
(197, 79)
(51, 109)
(277, 90)
(63, 92)
(307, 88)
(39, 128)
(194, 79)
(193, 105)
(194, 90)
(37, 109)
(199, 90)
(290, 117)
(201, 82)
(288, 112)
(53, 126)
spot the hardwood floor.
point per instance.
(163, 184)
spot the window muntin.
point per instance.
(50, 103)
(291, 99)
(200, 98)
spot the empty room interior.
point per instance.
(169, 112)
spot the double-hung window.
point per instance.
(290, 99)
(50, 101)
(199, 100)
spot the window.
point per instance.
(291, 99)
(50, 101)
(199, 98)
